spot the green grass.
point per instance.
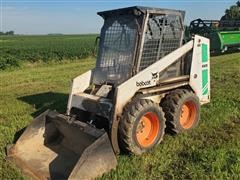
(211, 150)
(16, 49)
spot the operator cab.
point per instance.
(133, 38)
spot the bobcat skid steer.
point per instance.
(145, 82)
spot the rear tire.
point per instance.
(182, 111)
(141, 127)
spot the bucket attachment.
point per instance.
(55, 147)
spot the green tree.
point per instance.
(238, 3)
(233, 13)
(9, 33)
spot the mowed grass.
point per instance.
(211, 150)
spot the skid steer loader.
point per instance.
(145, 82)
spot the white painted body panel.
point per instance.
(144, 79)
(197, 67)
(128, 89)
(79, 84)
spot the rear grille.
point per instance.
(163, 35)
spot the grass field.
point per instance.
(211, 150)
(16, 49)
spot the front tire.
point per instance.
(141, 127)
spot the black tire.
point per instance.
(173, 105)
(129, 126)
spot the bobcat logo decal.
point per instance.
(155, 75)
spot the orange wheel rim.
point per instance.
(188, 114)
(147, 129)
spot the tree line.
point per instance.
(233, 13)
(6, 33)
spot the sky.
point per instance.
(79, 16)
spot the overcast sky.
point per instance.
(79, 16)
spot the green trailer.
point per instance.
(223, 40)
(223, 35)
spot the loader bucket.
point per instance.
(54, 147)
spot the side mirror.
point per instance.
(96, 44)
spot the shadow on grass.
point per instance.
(18, 134)
(42, 102)
(47, 100)
(230, 51)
